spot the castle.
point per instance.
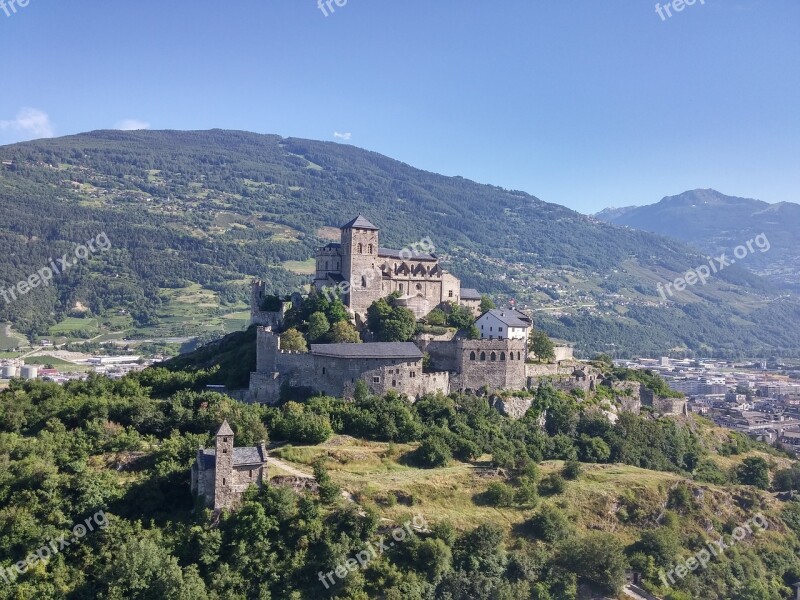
(222, 475)
(363, 272)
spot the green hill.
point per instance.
(192, 216)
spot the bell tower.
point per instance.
(223, 472)
(360, 268)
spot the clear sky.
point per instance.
(586, 103)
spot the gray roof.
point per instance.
(470, 294)
(408, 254)
(359, 223)
(242, 457)
(333, 246)
(507, 317)
(225, 429)
(400, 350)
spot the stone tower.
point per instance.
(223, 479)
(360, 267)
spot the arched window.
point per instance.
(401, 288)
(494, 356)
(472, 356)
(502, 356)
(518, 356)
(363, 281)
(361, 248)
(483, 355)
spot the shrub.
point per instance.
(572, 469)
(498, 494)
(549, 524)
(552, 484)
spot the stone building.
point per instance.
(334, 369)
(220, 476)
(363, 272)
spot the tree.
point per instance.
(337, 311)
(460, 317)
(598, 558)
(486, 304)
(343, 332)
(754, 470)
(433, 452)
(318, 326)
(499, 494)
(541, 345)
(399, 327)
(437, 317)
(293, 340)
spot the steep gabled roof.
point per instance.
(359, 223)
(225, 429)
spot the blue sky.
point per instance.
(585, 103)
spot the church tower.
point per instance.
(223, 476)
(360, 266)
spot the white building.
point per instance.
(504, 324)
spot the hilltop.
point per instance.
(714, 223)
(193, 216)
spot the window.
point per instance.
(483, 355)
(251, 473)
(223, 481)
(369, 249)
(502, 356)
(499, 329)
(518, 356)
(419, 286)
(224, 450)
(361, 248)
(472, 356)
(450, 294)
(376, 380)
(394, 383)
(401, 287)
(323, 370)
(326, 265)
(494, 356)
(363, 281)
(413, 374)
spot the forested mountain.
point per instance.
(714, 223)
(216, 208)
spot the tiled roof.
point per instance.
(470, 294)
(241, 457)
(359, 223)
(400, 350)
(407, 255)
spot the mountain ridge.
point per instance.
(212, 209)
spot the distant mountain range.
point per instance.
(714, 223)
(192, 216)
